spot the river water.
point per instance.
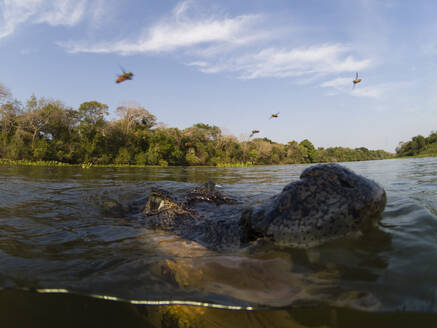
(66, 260)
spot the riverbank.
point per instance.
(89, 165)
(419, 156)
(219, 165)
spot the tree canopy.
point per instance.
(46, 129)
(419, 146)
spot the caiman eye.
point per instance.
(345, 183)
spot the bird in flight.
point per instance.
(253, 132)
(274, 115)
(125, 76)
(357, 80)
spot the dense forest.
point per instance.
(47, 130)
(419, 146)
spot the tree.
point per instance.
(211, 132)
(92, 127)
(134, 115)
(4, 93)
(48, 130)
(295, 153)
(36, 117)
(310, 150)
(264, 151)
(432, 138)
(419, 143)
(9, 113)
(92, 112)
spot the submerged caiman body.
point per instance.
(328, 202)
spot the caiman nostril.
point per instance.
(345, 183)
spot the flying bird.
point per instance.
(357, 80)
(274, 116)
(125, 76)
(253, 132)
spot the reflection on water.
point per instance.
(25, 309)
(56, 232)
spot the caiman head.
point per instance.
(328, 202)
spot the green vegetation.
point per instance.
(419, 146)
(32, 163)
(47, 131)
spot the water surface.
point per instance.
(56, 233)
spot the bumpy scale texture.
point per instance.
(329, 201)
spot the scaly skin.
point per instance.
(328, 202)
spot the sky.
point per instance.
(234, 63)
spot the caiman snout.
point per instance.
(328, 202)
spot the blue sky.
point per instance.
(233, 63)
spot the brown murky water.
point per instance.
(61, 252)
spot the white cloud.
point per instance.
(101, 11)
(62, 12)
(375, 91)
(52, 12)
(198, 64)
(309, 62)
(338, 83)
(180, 30)
(243, 45)
(15, 12)
(182, 7)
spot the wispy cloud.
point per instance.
(14, 13)
(63, 12)
(317, 60)
(337, 83)
(375, 91)
(429, 48)
(60, 12)
(343, 85)
(180, 30)
(219, 43)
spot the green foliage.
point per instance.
(234, 164)
(46, 131)
(419, 146)
(123, 156)
(31, 163)
(104, 159)
(141, 158)
(40, 150)
(92, 112)
(163, 162)
(295, 153)
(191, 157)
(308, 150)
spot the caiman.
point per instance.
(328, 202)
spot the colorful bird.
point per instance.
(274, 116)
(357, 80)
(125, 76)
(253, 132)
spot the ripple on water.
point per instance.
(54, 233)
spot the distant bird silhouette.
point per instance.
(274, 116)
(253, 132)
(125, 76)
(357, 80)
